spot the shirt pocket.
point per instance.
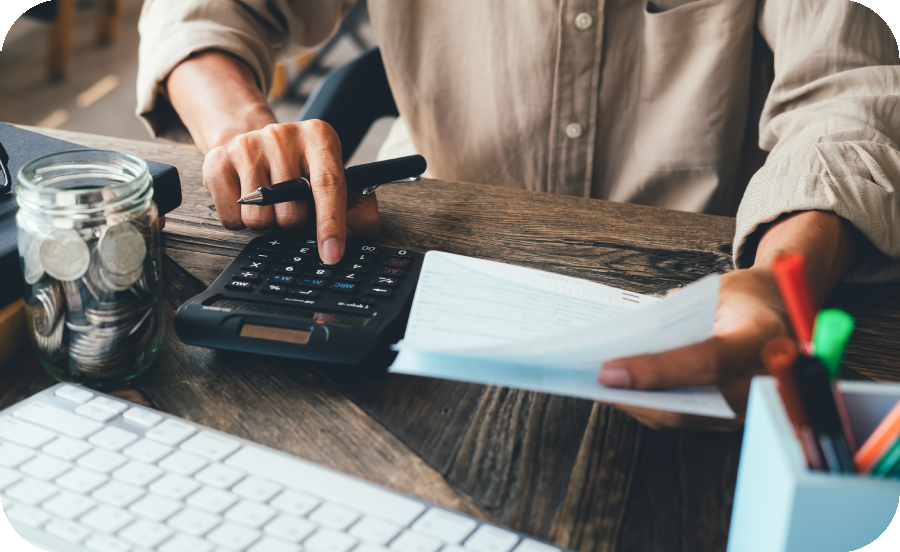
(694, 84)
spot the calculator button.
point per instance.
(290, 269)
(367, 249)
(239, 285)
(282, 279)
(384, 281)
(274, 289)
(273, 243)
(320, 272)
(306, 250)
(363, 258)
(248, 275)
(402, 253)
(308, 243)
(394, 261)
(351, 276)
(254, 265)
(356, 267)
(307, 293)
(261, 256)
(378, 291)
(267, 247)
(388, 271)
(296, 259)
(311, 282)
(344, 286)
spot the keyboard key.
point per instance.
(262, 256)
(334, 516)
(23, 433)
(194, 522)
(255, 265)
(378, 291)
(396, 263)
(384, 281)
(356, 267)
(174, 486)
(31, 492)
(401, 253)
(368, 547)
(211, 446)
(374, 531)
(444, 525)
(65, 448)
(268, 544)
(81, 481)
(219, 476)
(67, 531)
(305, 293)
(528, 545)
(318, 272)
(74, 394)
(413, 542)
(8, 477)
(388, 271)
(238, 285)
(145, 534)
(250, 514)
(304, 476)
(289, 528)
(155, 508)
(106, 519)
(95, 412)
(138, 474)
(102, 461)
(344, 287)
(295, 503)
(233, 536)
(214, 501)
(103, 402)
(351, 276)
(247, 276)
(25, 515)
(104, 543)
(282, 279)
(12, 455)
(492, 539)
(183, 543)
(362, 258)
(118, 494)
(171, 432)
(296, 259)
(141, 417)
(147, 451)
(254, 488)
(45, 468)
(326, 540)
(113, 438)
(290, 269)
(311, 282)
(68, 506)
(274, 289)
(58, 420)
(183, 463)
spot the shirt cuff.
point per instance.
(851, 179)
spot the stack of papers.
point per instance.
(487, 322)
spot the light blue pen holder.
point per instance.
(780, 505)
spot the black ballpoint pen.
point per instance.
(364, 177)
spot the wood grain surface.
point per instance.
(580, 474)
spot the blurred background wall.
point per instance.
(72, 65)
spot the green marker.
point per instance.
(889, 462)
(833, 329)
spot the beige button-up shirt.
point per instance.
(672, 103)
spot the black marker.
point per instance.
(814, 388)
(365, 177)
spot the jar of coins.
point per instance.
(89, 248)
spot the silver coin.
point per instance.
(47, 310)
(33, 270)
(64, 255)
(122, 249)
(120, 282)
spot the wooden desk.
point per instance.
(581, 474)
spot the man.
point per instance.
(646, 102)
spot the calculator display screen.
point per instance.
(297, 337)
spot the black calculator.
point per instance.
(278, 298)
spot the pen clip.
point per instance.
(371, 189)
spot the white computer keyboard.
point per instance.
(83, 471)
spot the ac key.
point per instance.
(388, 271)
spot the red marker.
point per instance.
(791, 277)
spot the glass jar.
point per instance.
(89, 249)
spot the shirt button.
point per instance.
(574, 130)
(584, 21)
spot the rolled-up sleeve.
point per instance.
(260, 32)
(832, 126)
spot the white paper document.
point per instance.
(486, 322)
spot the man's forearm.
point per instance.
(217, 98)
(828, 243)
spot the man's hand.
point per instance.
(219, 101)
(750, 313)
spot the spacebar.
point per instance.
(329, 485)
